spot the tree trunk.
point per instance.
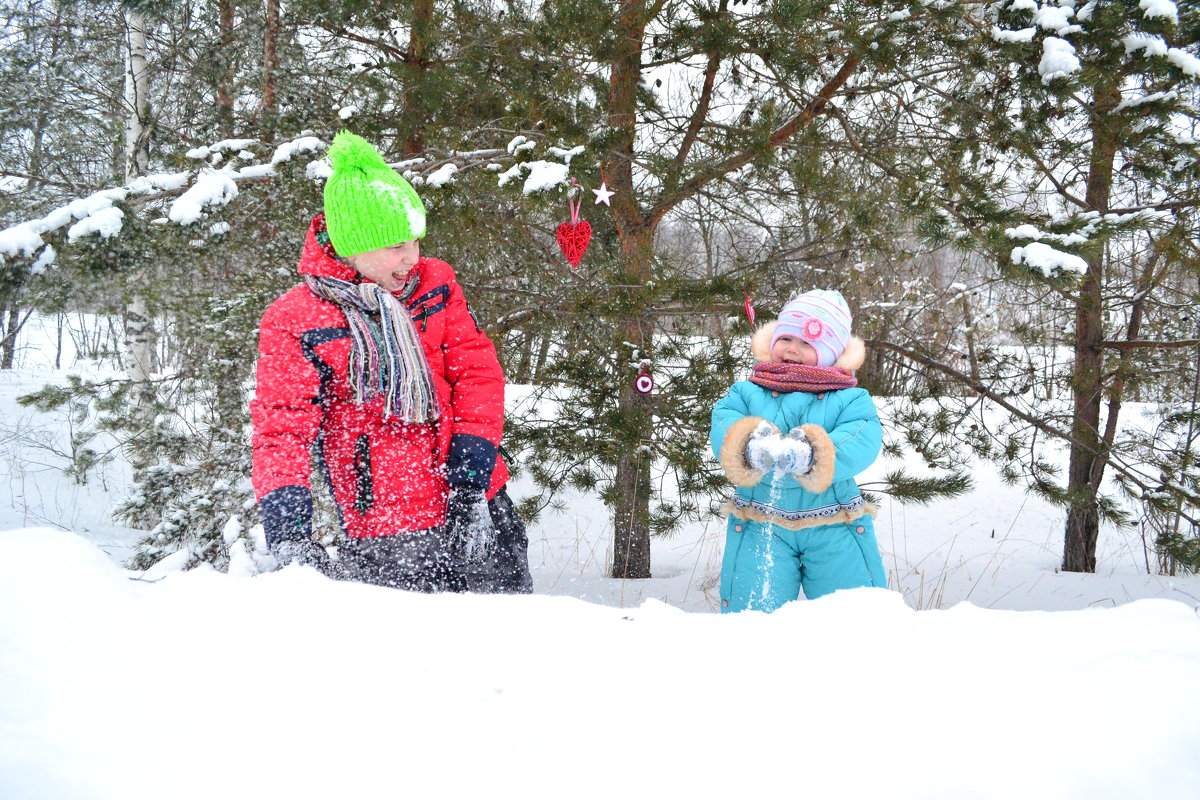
(631, 514)
(137, 98)
(539, 366)
(525, 358)
(631, 508)
(631, 511)
(138, 339)
(268, 106)
(1088, 454)
(416, 62)
(9, 335)
(225, 88)
(58, 343)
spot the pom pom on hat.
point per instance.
(821, 318)
(349, 151)
(368, 205)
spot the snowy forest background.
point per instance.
(1005, 192)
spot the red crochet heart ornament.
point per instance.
(573, 239)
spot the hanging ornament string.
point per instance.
(574, 236)
(603, 194)
(644, 382)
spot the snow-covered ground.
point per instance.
(984, 674)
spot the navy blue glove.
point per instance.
(307, 553)
(287, 521)
(286, 513)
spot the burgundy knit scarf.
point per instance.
(801, 378)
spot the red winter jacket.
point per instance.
(386, 476)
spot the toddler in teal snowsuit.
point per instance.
(791, 439)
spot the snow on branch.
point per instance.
(1045, 258)
(1058, 59)
(25, 238)
(1058, 19)
(542, 175)
(305, 144)
(211, 188)
(1185, 61)
(1165, 9)
(442, 175)
(1023, 35)
(199, 190)
(1136, 102)
(106, 223)
(1148, 43)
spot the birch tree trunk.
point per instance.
(9, 317)
(139, 343)
(137, 97)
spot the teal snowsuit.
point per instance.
(787, 532)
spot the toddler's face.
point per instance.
(793, 350)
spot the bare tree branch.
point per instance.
(784, 132)
(1136, 344)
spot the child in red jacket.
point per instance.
(377, 367)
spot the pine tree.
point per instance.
(1071, 162)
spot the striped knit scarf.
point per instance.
(801, 378)
(386, 357)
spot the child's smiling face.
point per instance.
(388, 266)
(793, 350)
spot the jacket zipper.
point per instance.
(362, 468)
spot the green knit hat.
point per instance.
(367, 204)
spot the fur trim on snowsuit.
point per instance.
(755, 515)
(820, 476)
(733, 452)
(852, 357)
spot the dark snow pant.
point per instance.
(421, 561)
(507, 571)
